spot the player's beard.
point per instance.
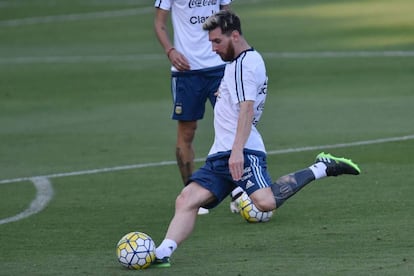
(229, 54)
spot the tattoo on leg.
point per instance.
(290, 184)
(185, 167)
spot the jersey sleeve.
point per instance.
(163, 4)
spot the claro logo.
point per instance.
(201, 3)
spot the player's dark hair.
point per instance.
(225, 20)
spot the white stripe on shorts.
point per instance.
(256, 170)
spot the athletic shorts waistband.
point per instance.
(212, 70)
(223, 154)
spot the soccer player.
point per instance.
(196, 72)
(238, 156)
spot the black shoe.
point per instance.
(336, 166)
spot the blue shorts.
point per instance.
(215, 175)
(191, 89)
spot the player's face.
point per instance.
(222, 44)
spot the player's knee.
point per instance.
(186, 131)
(182, 200)
(185, 200)
(266, 205)
(264, 200)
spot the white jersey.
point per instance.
(244, 79)
(190, 39)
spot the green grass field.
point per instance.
(85, 103)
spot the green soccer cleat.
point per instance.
(161, 263)
(336, 166)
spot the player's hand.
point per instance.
(179, 61)
(236, 165)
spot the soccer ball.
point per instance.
(250, 212)
(135, 250)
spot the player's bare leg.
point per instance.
(185, 152)
(184, 148)
(182, 224)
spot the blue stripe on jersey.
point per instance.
(256, 170)
(238, 78)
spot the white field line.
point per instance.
(74, 17)
(44, 193)
(141, 57)
(165, 163)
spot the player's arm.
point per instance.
(161, 31)
(160, 26)
(244, 127)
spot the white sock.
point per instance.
(166, 248)
(236, 191)
(319, 170)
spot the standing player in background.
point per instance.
(196, 72)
